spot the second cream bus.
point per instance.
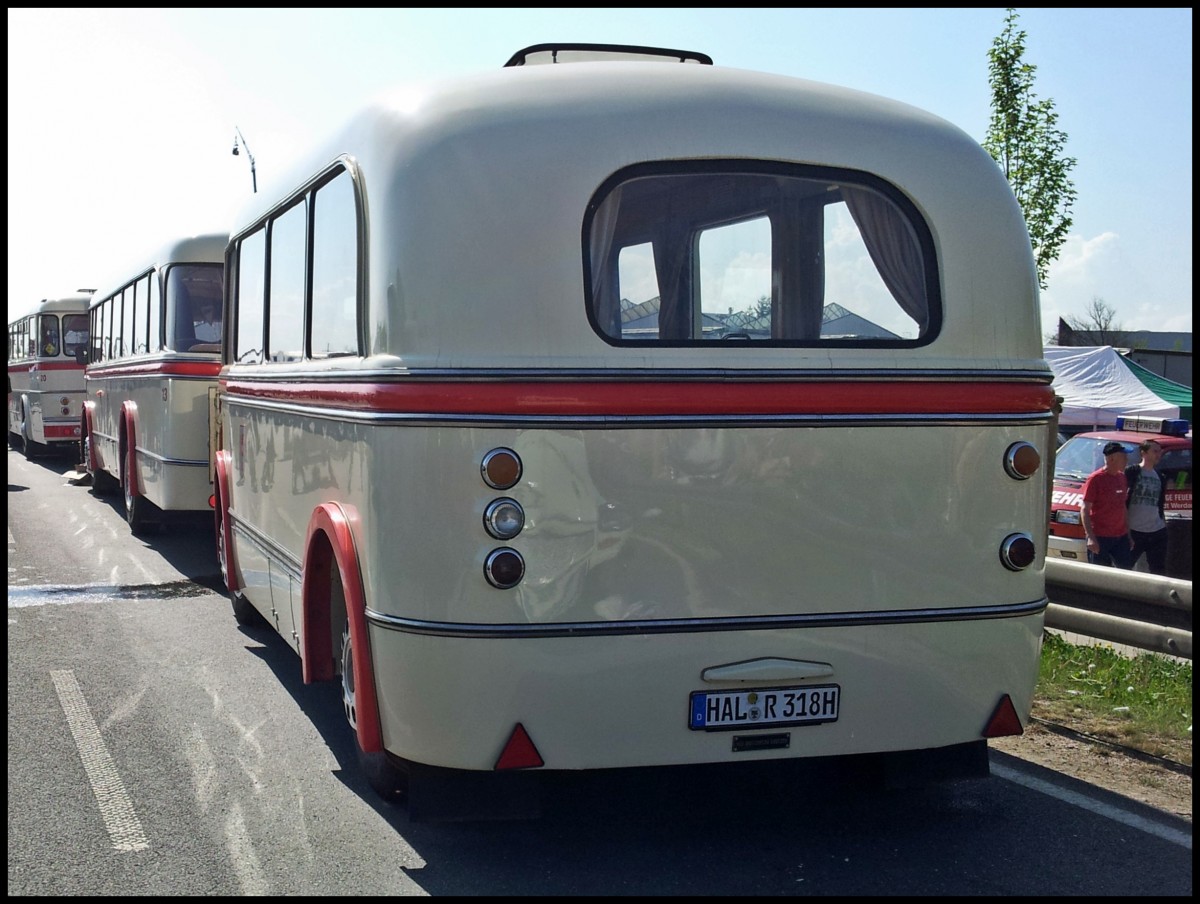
(150, 378)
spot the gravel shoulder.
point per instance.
(1105, 766)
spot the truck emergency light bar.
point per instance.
(1164, 426)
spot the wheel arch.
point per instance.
(330, 544)
(87, 419)
(222, 462)
(129, 434)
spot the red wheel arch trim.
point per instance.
(89, 414)
(129, 415)
(335, 521)
(221, 464)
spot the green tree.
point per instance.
(1024, 138)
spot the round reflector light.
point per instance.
(1021, 460)
(504, 518)
(1018, 551)
(504, 568)
(501, 468)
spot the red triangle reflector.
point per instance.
(1004, 721)
(519, 752)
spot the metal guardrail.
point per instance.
(1127, 607)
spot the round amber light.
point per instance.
(501, 468)
(1021, 460)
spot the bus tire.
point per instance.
(30, 447)
(244, 612)
(136, 506)
(103, 483)
(386, 778)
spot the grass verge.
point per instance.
(1143, 702)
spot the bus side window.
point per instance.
(50, 343)
(335, 273)
(285, 306)
(249, 284)
(75, 333)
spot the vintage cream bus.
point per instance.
(640, 412)
(45, 374)
(151, 376)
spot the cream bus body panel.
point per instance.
(48, 384)
(171, 433)
(629, 527)
(629, 705)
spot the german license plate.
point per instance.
(763, 707)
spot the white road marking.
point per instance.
(124, 827)
(1183, 839)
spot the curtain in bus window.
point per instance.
(893, 249)
(605, 294)
(672, 258)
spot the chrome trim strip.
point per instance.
(699, 625)
(279, 374)
(154, 375)
(273, 552)
(182, 462)
(611, 421)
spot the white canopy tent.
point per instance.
(1097, 387)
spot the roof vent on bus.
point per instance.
(539, 54)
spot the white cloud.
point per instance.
(1100, 267)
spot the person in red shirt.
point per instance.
(1103, 512)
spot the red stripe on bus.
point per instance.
(30, 367)
(661, 398)
(170, 368)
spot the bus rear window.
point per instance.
(779, 255)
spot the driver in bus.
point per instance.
(207, 328)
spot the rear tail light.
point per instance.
(504, 568)
(1018, 551)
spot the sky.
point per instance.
(121, 122)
